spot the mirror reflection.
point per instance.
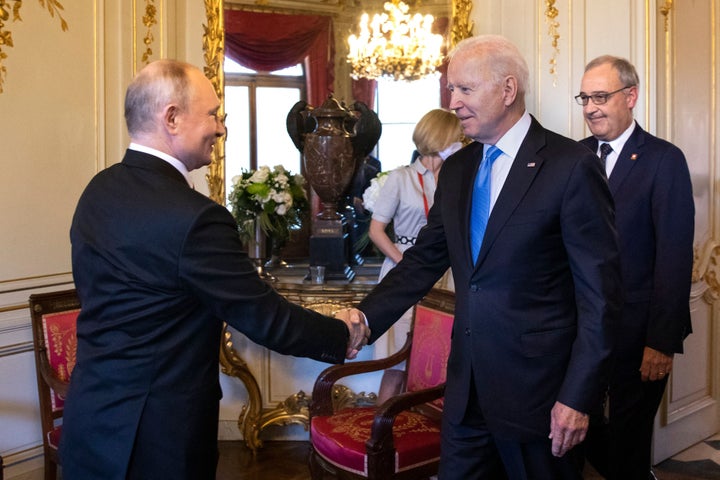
(258, 99)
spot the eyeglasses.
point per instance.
(598, 98)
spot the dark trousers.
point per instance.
(469, 451)
(619, 449)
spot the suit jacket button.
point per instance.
(467, 332)
(474, 287)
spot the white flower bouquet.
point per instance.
(275, 198)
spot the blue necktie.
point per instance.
(481, 201)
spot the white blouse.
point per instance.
(402, 200)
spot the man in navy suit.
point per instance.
(534, 308)
(158, 268)
(650, 183)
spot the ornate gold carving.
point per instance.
(53, 6)
(296, 410)
(665, 11)
(234, 366)
(149, 19)
(343, 397)
(214, 53)
(551, 13)
(706, 268)
(461, 24)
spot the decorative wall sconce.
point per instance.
(53, 6)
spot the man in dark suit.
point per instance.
(650, 183)
(158, 268)
(534, 307)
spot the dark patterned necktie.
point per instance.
(605, 150)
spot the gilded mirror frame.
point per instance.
(214, 55)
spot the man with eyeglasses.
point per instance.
(650, 183)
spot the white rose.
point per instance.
(260, 176)
(282, 180)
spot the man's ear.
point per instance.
(170, 118)
(631, 96)
(510, 90)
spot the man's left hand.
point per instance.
(567, 428)
(655, 365)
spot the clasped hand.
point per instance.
(358, 328)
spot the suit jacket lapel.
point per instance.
(631, 151)
(524, 168)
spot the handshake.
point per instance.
(358, 328)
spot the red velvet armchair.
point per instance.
(54, 317)
(400, 438)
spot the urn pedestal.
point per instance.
(333, 140)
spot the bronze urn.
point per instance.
(333, 141)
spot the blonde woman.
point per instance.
(405, 198)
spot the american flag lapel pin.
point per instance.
(531, 165)
(633, 156)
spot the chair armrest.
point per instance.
(381, 434)
(52, 379)
(321, 401)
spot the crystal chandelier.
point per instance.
(395, 45)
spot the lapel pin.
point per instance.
(531, 165)
(633, 156)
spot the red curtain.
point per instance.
(363, 90)
(270, 41)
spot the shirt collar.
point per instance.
(179, 166)
(418, 166)
(618, 144)
(513, 138)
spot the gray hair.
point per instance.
(500, 55)
(626, 70)
(153, 88)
